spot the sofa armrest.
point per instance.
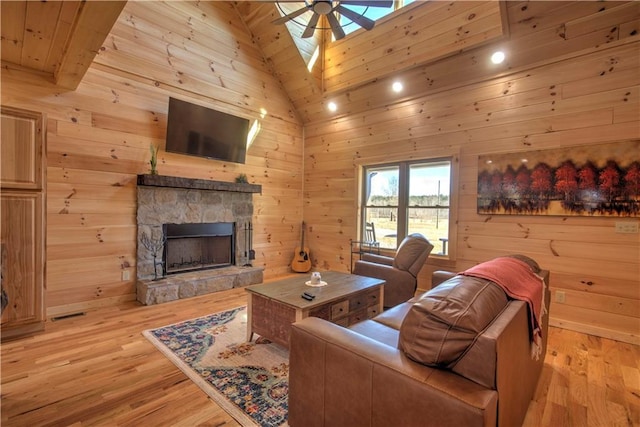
(339, 377)
(503, 352)
(440, 276)
(379, 259)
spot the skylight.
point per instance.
(373, 13)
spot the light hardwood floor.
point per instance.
(98, 369)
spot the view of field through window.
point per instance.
(416, 193)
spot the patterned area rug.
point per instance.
(248, 380)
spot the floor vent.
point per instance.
(67, 316)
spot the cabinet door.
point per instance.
(22, 261)
(21, 149)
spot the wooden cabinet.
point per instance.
(22, 212)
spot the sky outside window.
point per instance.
(373, 13)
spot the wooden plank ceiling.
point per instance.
(62, 38)
(416, 35)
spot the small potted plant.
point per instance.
(154, 159)
(242, 179)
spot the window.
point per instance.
(371, 12)
(408, 197)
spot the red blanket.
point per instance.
(519, 282)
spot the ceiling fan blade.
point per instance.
(290, 16)
(311, 26)
(370, 3)
(361, 20)
(336, 29)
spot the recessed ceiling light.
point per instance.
(397, 87)
(332, 106)
(497, 57)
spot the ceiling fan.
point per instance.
(330, 9)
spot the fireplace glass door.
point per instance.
(192, 247)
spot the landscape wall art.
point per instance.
(594, 180)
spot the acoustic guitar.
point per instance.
(301, 262)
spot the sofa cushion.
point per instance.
(377, 331)
(394, 316)
(446, 320)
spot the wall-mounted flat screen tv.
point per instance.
(201, 131)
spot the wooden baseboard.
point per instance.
(595, 330)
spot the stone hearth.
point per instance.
(187, 285)
(174, 200)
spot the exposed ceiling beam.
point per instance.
(92, 25)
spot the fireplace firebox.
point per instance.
(201, 246)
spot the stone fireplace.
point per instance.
(192, 237)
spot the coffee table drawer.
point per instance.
(358, 302)
(339, 309)
(358, 316)
(342, 322)
(363, 300)
(373, 311)
(373, 298)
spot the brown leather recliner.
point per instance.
(400, 272)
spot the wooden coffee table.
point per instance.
(346, 299)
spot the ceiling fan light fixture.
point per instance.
(330, 8)
(322, 7)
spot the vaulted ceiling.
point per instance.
(431, 45)
(62, 39)
(358, 68)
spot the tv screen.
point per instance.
(200, 131)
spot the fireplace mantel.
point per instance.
(197, 184)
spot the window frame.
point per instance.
(404, 168)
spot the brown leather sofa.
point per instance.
(399, 272)
(481, 371)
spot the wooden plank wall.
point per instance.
(99, 138)
(578, 89)
(421, 32)
(536, 30)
